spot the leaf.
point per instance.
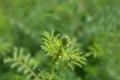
(8, 60)
(25, 71)
(20, 69)
(14, 65)
(28, 76)
(21, 53)
(15, 53)
(78, 64)
(71, 66)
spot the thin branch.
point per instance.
(30, 70)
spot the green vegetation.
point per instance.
(84, 45)
(63, 54)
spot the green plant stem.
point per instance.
(53, 67)
(52, 70)
(30, 70)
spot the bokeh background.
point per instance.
(94, 23)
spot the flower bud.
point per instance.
(65, 41)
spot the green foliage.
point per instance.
(93, 23)
(63, 53)
(24, 63)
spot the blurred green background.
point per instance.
(94, 23)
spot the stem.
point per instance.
(52, 70)
(31, 71)
(54, 63)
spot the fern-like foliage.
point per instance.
(63, 51)
(25, 64)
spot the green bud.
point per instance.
(65, 41)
